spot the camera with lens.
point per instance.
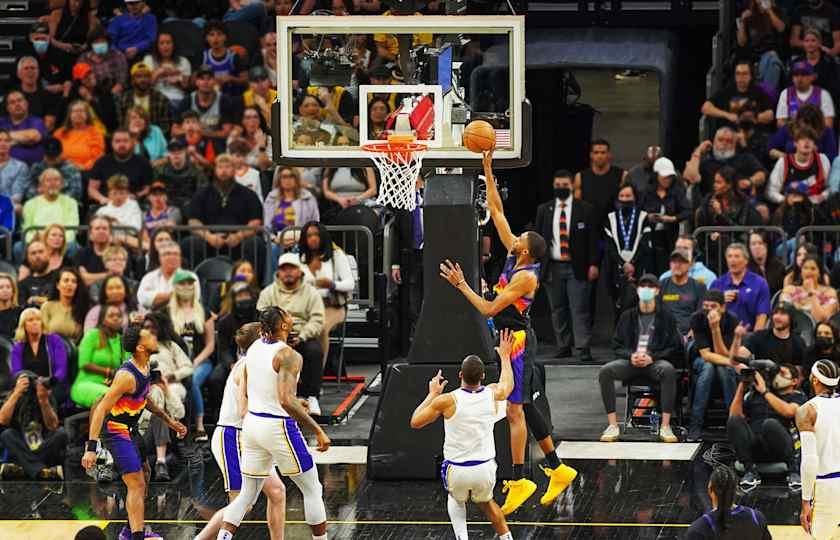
(767, 368)
(155, 376)
(46, 382)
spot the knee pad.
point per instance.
(236, 510)
(535, 421)
(313, 500)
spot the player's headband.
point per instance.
(828, 381)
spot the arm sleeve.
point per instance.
(59, 358)
(827, 104)
(149, 33)
(763, 299)
(16, 359)
(774, 185)
(343, 277)
(22, 181)
(313, 326)
(146, 292)
(621, 349)
(87, 346)
(183, 366)
(781, 108)
(809, 465)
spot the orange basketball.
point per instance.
(479, 136)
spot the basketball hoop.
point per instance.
(399, 161)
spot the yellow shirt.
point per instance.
(59, 320)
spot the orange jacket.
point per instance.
(82, 147)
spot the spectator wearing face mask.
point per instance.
(826, 344)
(238, 307)
(646, 342)
(108, 64)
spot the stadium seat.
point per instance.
(212, 273)
(8, 268)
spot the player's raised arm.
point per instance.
(433, 406)
(521, 284)
(494, 203)
(504, 387)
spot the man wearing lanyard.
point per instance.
(746, 294)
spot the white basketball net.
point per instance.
(398, 168)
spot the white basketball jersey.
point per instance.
(262, 379)
(229, 411)
(827, 431)
(468, 434)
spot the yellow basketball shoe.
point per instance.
(518, 491)
(559, 479)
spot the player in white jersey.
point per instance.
(819, 430)
(226, 447)
(469, 449)
(270, 434)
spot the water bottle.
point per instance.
(654, 422)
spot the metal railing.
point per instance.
(825, 237)
(82, 230)
(712, 242)
(347, 237)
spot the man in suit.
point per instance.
(408, 252)
(570, 266)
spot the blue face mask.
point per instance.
(646, 294)
(41, 46)
(100, 48)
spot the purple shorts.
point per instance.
(521, 361)
(124, 449)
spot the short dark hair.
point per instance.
(91, 532)
(472, 370)
(600, 141)
(189, 113)
(131, 337)
(563, 173)
(268, 319)
(714, 295)
(536, 245)
(215, 25)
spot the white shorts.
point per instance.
(227, 451)
(272, 440)
(470, 482)
(825, 512)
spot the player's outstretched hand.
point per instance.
(437, 384)
(487, 160)
(324, 442)
(505, 347)
(452, 273)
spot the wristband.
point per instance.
(92, 446)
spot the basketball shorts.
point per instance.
(469, 481)
(825, 512)
(124, 446)
(269, 440)
(227, 451)
(522, 363)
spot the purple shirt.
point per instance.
(29, 154)
(753, 297)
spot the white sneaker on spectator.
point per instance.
(611, 434)
(314, 406)
(667, 435)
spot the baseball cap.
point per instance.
(138, 67)
(157, 185)
(81, 70)
(649, 279)
(175, 145)
(289, 258)
(183, 275)
(257, 73)
(53, 147)
(39, 28)
(664, 167)
(203, 70)
(802, 68)
(679, 254)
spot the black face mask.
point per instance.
(625, 204)
(245, 307)
(562, 193)
(823, 343)
(746, 125)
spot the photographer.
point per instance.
(761, 419)
(32, 434)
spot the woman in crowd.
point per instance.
(666, 207)
(809, 294)
(378, 111)
(197, 330)
(9, 308)
(170, 393)
(109, 63)
(238, 307)
(70, 26)
(241, 272)
(764, 264)
(288, 205)
(160, 237)
(347, 186)
(313, 115)
(809, 116)
(826, 345)
(55, 239)
(68, 303)
(149, 141)
(794, 273)
(115, 292)
(82, 141)
(330, 272)
(86, 87)
(116, 261)
(259, 142)
(760, 29)
(170, 71)
(100, 355)
(40, 352)
(629, 247)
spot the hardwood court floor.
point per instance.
(611, 499)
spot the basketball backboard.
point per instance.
(351, 80)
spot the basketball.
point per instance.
(479, 136)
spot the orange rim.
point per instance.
(394, 147)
